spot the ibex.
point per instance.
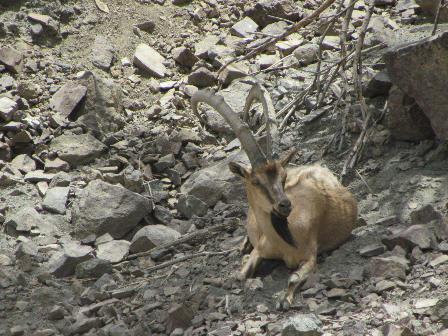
(294, 213)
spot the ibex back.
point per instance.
(294, 213)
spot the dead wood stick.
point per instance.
(436, 20)
(295, 27)
(190, 237)
(187, 257)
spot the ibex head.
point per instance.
(265, 179)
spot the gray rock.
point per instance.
(64, 263)
(165, 162)
(202, 47)
(378, 85)
(202, 77)
(56, 165)
(216, 182)
(29, 90)
(149, 61)
(55, 200)
(388, 267)
(26, 249)
(7, 82)
(11, 59)
(23, 221)
(147, 26)
(184, 56)
(38, 176)
(263, 12)
(180, 2)
(233, 72)
(50, 25)
(307, 54)
(106, 208)
(103, 53)
(77, 149)
(189, 205)
(152, 236)
(56, 313)
(113, 251)
(302, 325)
(93, 268)
(425, 215)
(244, 28)
(68, 98)
(162, 214)
(415, 235)
(429, 8)
(24, 163)
(102, 111)
(84, 324)
(7, 108)
(405, 119)
(425, 82)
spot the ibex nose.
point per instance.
(284, 207)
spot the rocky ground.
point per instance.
(118, 214)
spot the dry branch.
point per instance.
(292, 29)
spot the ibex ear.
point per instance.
(239, 169)
(287, 156)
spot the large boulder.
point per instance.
(106, 208)
(425, 81)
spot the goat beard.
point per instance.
(280, 224)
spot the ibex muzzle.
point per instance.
(294, 213)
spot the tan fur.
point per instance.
(322, 217)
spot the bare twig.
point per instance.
(293, 28)
(364, 181)
(436, 20)
(187, 257)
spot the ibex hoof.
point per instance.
(282, 303)
(245, 259)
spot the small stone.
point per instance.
(38, 176)
(55, 200)
(56, 313)
(17, 330)
(23, 221)
(302, 325)
(149, 60)
(233, 72)
(189, 206)
(204, 46)
(147, 26)
(388, 267)
(152, 236)
(84, 324)
(184, 56)
(202, 77)
(384, 285)
(244, 28)
(7, 108)
(113, 251)
(415, 235)
(372, 250)
(306, 54)
(93, 268)
(425, 303)
(165, 162)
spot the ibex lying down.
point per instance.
(294, 213)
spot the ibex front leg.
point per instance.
(299, 277)
(250, 264)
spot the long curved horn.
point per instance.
(240, 128)
(258, 92)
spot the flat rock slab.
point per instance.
(23, 221)
(244, 27)
(148, 60)
(302, 325)
(7, 108)
(68, 98)
(77, 149)
(113, 251)
(103, 53)
(426, 81)
(106, 208)
(55, 200)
